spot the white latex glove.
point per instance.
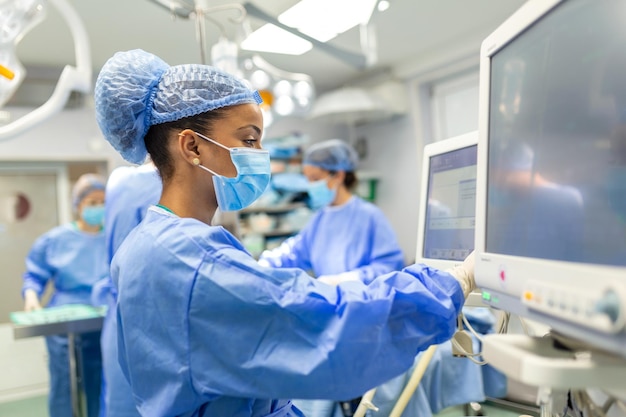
(31, 300)
(338, 278)
(464, 273)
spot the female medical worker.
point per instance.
(347, 239)
(203, 329)
(130, 191)
(72, 256)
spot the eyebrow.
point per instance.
(254, 127)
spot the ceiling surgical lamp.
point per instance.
(284, 93)
(17, 17)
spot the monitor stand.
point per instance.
(540, 362)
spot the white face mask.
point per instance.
(253, 177)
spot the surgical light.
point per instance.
(17, 17)
(260, 80)
(284, 105)
(284, 93)
(383, 5)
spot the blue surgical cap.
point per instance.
(84, 185)
(332, 155)
(136, 89)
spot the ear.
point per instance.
(188, 145)
(339, 178)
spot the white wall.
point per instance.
(71, 135)
(394, 153)
(316, 131)
(24, 365)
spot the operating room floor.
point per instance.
(37, 407)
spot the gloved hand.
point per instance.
(31, 300)
(464, 273)
(338, 278)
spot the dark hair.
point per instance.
(349, 181)
(159, 135)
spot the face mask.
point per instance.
(93, 215)
(320, 195)
(616, 191)
(253, 177)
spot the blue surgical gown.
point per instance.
(354, 236)
(204, 330)
(358, 236)
(74, 261)
(129, 193)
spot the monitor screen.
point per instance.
(557, 137)
(551, 180)
(451, 205)
(447, 215)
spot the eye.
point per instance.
(250, 142)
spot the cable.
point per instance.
(468, 355)
(471, 329)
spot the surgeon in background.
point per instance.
(528, 212)
(72, 256)
(130, 191)
(203, 329)
(347, 238)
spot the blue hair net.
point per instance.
(86, 184)
(136, 89)
(332, 155)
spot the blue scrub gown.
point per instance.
(355, 236)
(358, 236)
(129, 193)
(74, 261)
(204, 330)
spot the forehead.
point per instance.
(313, 172)
(94, 195)
(244, 114)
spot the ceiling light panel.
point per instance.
(325, 19)
(270, 38)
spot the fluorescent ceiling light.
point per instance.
(270, 38)
(325, 19)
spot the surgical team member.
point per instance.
(130, 191)
(203, 329)
(347, 239)
(72, 256)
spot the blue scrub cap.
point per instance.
(332, 155)
(136, 89)
(86, 184)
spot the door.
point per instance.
(34, 198)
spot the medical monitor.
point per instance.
(448, 201)
(551, 182)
